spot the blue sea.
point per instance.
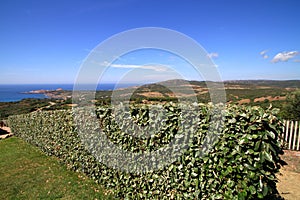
(11, 93)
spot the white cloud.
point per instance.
(154, 67)
(213, 55)
(297, 60)
(158, 68)
(264, 54)
(284, 56)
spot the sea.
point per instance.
(12, 93)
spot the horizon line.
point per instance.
(150, 82)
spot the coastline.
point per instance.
(58, 93)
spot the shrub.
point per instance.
(241, 163)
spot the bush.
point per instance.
(241, 163)
(291, 110)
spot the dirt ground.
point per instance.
(5, 132)
(289, 179)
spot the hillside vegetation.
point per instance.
(250, 92)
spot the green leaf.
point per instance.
(267, 156)
(252, 189)
(242, 195)
(265, 191)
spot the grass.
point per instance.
(26, 173)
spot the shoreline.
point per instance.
(59, 93)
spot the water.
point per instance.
(11, 93)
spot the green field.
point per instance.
(27, 173)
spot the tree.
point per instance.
(292, 108)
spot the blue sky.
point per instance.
(47, 41)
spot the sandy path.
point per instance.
(289, 185)
(289, 180)
(9, 133)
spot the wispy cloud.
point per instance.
(213, 55)
(284, 56)
(153, 67)
(158, 68)
(264, 54)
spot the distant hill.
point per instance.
(237, 91)
(268, 83)
(251, 92)
(236, 84)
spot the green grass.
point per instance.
(27, 173)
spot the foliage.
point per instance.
(21, 107)
(238, 94)
(291, 110)
(241, 163)
(235, 90)
(31, 105)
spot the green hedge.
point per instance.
(241, 164)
